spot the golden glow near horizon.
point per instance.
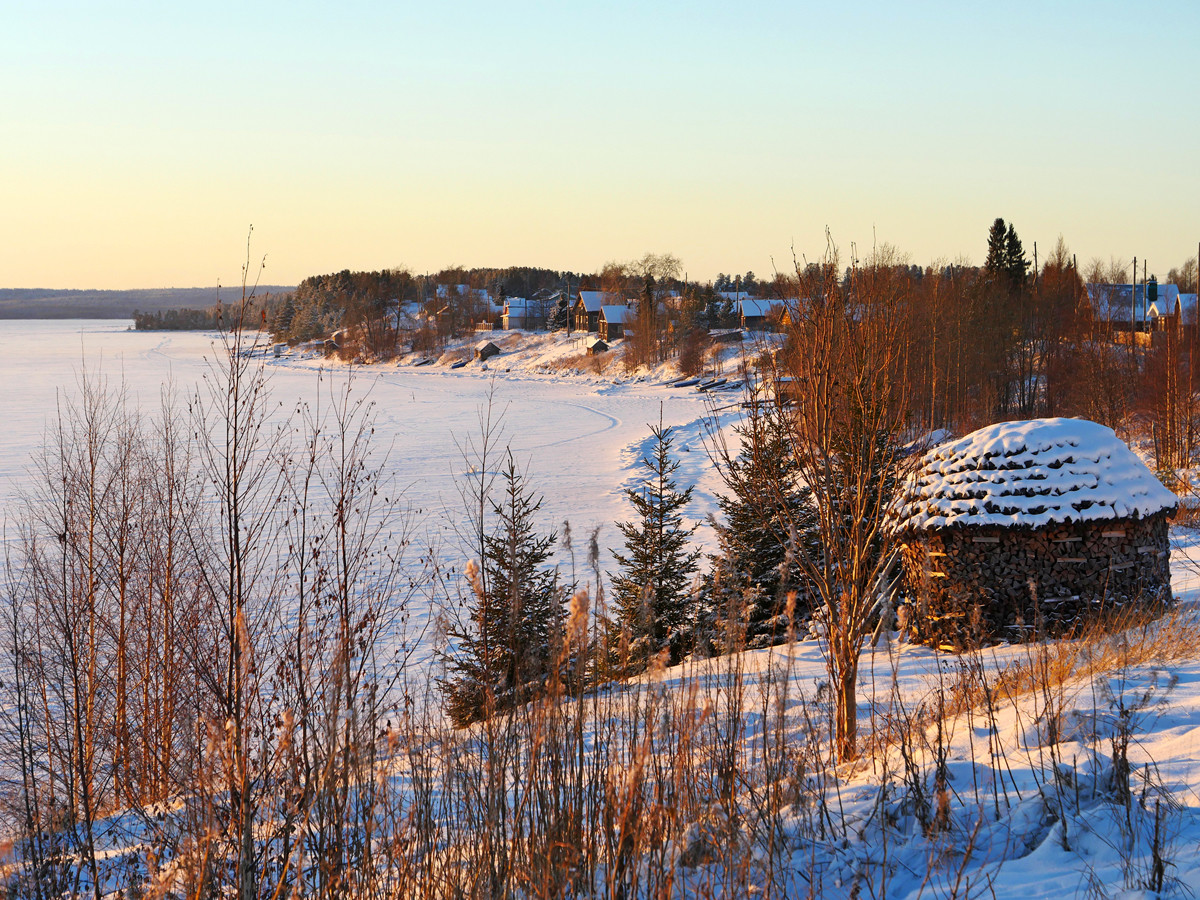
(142, 142)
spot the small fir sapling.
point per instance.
(651, 592)
(505, 649)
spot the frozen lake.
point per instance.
(580, 439)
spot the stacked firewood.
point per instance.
(976, 585)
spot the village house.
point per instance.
(758, 314)
(1171, 309)
(612, 322)
(586, 310)
(1117, 305)
(521, 313)
(1028, 528)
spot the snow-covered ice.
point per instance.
(579, 437)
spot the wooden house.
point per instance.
(586, 309)
(612, 322)
(756, 314)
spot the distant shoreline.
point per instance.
(50, 303)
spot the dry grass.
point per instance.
(1115, 642)
(598, 363)
(981, 685)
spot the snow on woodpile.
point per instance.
(1030, 474)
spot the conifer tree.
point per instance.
(505, 649)
(1016, 266)
(1006, 264)
(766, 512)
(651, 593)
(997, 248)
(559, 316)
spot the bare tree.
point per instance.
(849, 353)
(236, 443)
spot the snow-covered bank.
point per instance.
(1022, 772)
(1018, 771)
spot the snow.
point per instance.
(758, 307)
(580, 436)
(1031, 473)
(616, 315)
(593, 300)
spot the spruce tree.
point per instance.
(506, 649)
(767, 518)
(559, 316)
(1006, 264)
(651, 593)
(997, 248)
(1016, 266)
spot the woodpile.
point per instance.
(974, 585)
(1022, 529)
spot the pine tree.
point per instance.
(765, 513)
(651, 594)
(506, 650)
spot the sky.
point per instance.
(141, 140)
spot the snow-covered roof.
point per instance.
(1030, 474)
(1161, 308)
(1115, 302)
(1187, 304)
(1171, 302)
(593, 300)
(751, 306)
(616, 315)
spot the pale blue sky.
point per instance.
(141, 139)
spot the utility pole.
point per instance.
(1133, 314)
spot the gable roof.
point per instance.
(1030, 474)
(616, 315)
(593, 300)
(752, 306)
(1112, 302)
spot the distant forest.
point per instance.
(49, 303)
